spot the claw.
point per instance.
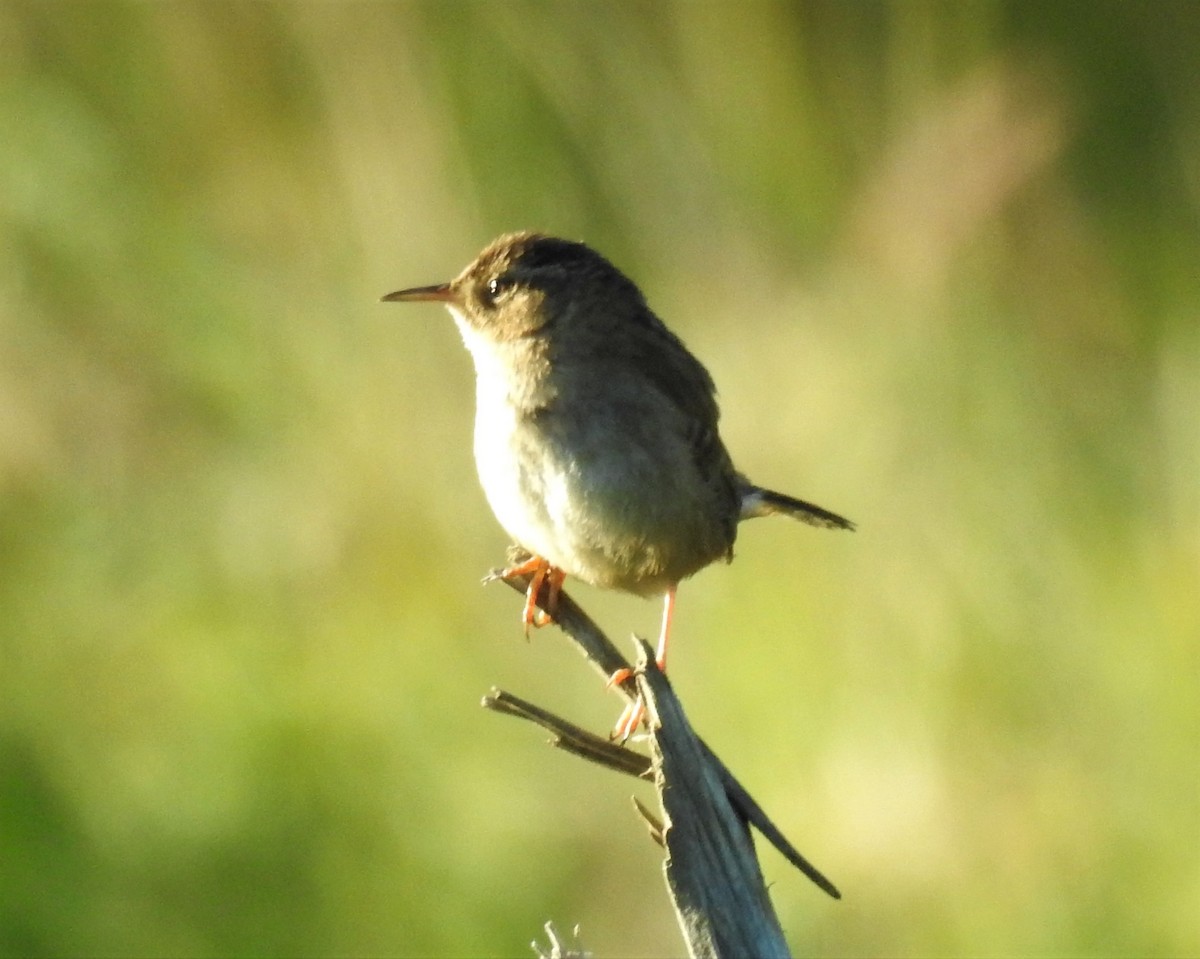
(628, 721)
(539, 571)
(618, 677)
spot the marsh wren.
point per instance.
(595, 429)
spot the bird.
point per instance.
(596, 430)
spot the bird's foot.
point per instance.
(628, 721)
(618, 677)
(634, 712)
(539, 572)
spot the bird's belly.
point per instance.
(608, 526)
(514, 481)
(513, 496)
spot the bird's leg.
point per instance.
(660, 656)
(539, 571)
(632, 716)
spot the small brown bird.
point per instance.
(595, 429)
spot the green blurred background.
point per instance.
(943, 260)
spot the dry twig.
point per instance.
(711, 868)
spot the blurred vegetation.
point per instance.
(942, 260)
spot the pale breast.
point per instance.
(513, 471)
(608, 492)
(514, 480)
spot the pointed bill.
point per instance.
(442, 293)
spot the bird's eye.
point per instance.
(497, 287)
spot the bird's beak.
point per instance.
(442, 293)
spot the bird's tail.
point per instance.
(757, 501)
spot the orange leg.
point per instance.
(668, 615)
(539, 571)
(636, 710)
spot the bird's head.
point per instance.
(525, 284)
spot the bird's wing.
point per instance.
(667, 366)
(662, 359)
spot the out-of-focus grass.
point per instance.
(941, 261)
